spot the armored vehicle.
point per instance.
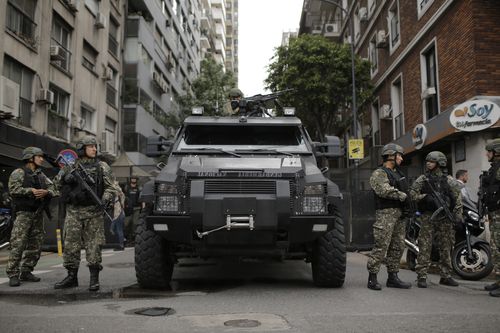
(241, 186)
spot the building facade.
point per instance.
(61, 71)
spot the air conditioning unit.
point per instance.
(100, 21)
(108, 142)
(108, 74)
(386, 111)
(428, 92)
(57, 53)
(381, 39)
(331, 30)
(9, 97)
(73, 5)
(317, 29)
(45, 96)
(363, 14)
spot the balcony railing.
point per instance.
(57, 125)
(20, 24)
(113, 45)
(111, 94)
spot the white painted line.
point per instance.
(57, 266)
(40, 272)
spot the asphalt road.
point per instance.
(241, 297)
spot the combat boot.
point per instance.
(449, 281)
(495, 293)
(422, 283)
(493, 286)
(69, 281)
(14, 281)
(372, 282)
(28, 276)
(94, 278)
(393, 281)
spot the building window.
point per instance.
(357, 25)
(24, 77)
(113, 45)
(373, 55)
(88, 118)
(371, 4)
(89, 57)
(58, 114)
(376, 123)
(61, 38)
(422, 6)
(111, 91)
(20, 19)
(108, 137)
(429, 83)
(394, 28)
(93, 6)
(397, 108)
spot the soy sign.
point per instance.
(475, 115)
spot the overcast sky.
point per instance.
(261, 24)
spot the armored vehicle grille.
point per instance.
(240, 186)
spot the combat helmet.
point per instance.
(438, 157)
(235, 93)
(85, 141)
(392, 149)
(29, 152)
(494, 145)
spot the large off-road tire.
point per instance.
(329, 256)
(153, 262)
(479, 267)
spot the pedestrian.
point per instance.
(491, 196)
(132, 206)
(389, 227)
(31, 191)
(118, 215)
(84, 225)
(438, 227)
(462, 177)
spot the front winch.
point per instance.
(232, 222)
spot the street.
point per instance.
(243, 297)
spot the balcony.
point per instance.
(20, 24)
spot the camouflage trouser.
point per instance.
(82, 227)
(495, 240)
(26, 237)
(444, 234)
(388, 234)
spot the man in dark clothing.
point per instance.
(132, 207)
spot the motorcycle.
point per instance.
(5, 227)
(470, 257)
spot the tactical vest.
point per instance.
(383, 203)
(491, 187)
(440, 184)
(31, 180)
(75, 193)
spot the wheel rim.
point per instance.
(479, 261)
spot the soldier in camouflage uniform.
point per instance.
(440, 226)
(84, 224)
(389, 227)
(31, 192)
(234, 94)
(491, 196)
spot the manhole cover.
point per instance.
(242, 323)
(153, 312)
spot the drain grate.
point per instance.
(154, 311)
(242, 323)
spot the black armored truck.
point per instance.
(245, 186)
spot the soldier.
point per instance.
(234, 94)
(389, 228)
(84, 223)
(491, 199)
(31, 192)
(440, 226)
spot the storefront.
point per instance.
(461, 133)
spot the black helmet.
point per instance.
(29, 152)
(438, 157)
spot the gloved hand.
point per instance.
(402, 196)
(69, 178)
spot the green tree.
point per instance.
(319, 71)
(209, 90)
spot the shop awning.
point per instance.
(124, 168)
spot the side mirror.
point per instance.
(330, 148)
(158, 146)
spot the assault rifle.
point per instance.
(256, 105)
(83, 177)
(481, 204)
(45, 202)
(440, 203)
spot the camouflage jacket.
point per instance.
(381, 186)
(17, 189)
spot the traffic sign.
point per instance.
(356, 149)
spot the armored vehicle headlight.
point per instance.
(289, 111)
(314, 189)
(166, 188)
(313, 205)
(167, 203)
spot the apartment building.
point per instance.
(60, 65)
(435, 69)
(232, 37)
(161, 59)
